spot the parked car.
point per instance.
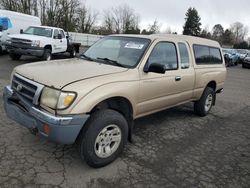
(93, 100)
(231, 57)
(41, 41)
(12, 22)
(243, 53)
(246, 62)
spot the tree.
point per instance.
(205, 34)
(86, 18)
(121, 19)
(228, 37)
(192, 25)
(152, 28)
(241, 45)
(23, 6)
(240, 32)
(218, 32)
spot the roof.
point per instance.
(47, 27)
(13, 13)
(189, 39)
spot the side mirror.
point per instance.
(156, 68)
(59, 36)
(1, 28)
(21, 31)
(67, 36)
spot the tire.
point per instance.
(73, 52)
(15, 56)
(47, 56)
(92, 138)
(204, 105)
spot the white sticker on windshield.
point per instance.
(134, 45)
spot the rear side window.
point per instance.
(56, 32)
(62, 33)
(164, 53)
(184, 55)
(207, 55)
(215, 55)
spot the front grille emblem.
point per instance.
(19, 87)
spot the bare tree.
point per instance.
(10, 4)
(86, 19)
(121, 19)
(240, 31)
(154, 28)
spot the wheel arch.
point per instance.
(121, 105)
(212, 84)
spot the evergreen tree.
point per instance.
(192, 25)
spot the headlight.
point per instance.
(57, 99)
(35, 43)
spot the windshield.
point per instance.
(46, 32)
(123, 51)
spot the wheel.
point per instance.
(204, 105)
(47, 56)
(15, 56)
(73, 52)
(103, 138)
(243, 66)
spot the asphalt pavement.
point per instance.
(172, 148)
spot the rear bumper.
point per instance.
(62, 130)
(24, 50)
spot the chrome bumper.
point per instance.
(62, 130)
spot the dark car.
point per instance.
(246, 62)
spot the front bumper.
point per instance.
(62, 130)
(24, 50)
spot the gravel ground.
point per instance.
(173, 148)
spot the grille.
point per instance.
(27, 89)
(21, 41)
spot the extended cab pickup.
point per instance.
(93, 100)
(41, 41)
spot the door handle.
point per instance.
(177, 78)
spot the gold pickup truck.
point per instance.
(93, 100)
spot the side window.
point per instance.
(201, 54)
(55, 36)
(215, 55)
(164, 53)
(207, 55)
(62, 33)
(184, 55)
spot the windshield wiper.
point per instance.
(111, 61)
(87, 57)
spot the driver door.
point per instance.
(56, 42)
(158, 91)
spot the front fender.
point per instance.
(128, 90)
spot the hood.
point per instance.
(59, 73)
(27, 37)
(247, 58)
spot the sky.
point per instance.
(171, 13)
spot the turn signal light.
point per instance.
(46, 129)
